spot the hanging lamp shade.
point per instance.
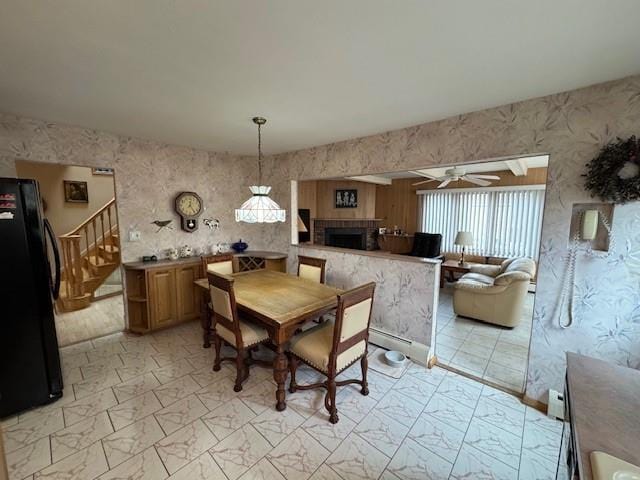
(260, 208)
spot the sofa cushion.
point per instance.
(478, 278)
(489, 270)
(508, 277)
(521, 264)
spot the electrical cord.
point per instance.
(569, 282)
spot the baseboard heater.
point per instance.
(416, 351)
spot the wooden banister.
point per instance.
(96, 232)
(100, 212)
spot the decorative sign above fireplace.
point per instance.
(346, 198)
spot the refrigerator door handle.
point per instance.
(55, 283)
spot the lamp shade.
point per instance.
(464, 239)
(260, 208)
(301, 226)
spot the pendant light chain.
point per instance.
(259, 154)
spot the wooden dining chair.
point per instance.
(219, 263)
(311, 268)
(229, 328)
(332, 347)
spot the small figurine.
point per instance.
(172, 253)
(212, 223)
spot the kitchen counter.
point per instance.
(604, 405)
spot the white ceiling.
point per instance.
(194, 72)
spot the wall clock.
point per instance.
(189, 207)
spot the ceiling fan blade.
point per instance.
(477, 181)
(422, 174)
(425, 181)
(445, 183)
(486, 177)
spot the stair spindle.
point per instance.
(104, 238)
(95, 241)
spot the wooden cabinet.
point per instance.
(162, 294)
(162, 297)
(188, 298)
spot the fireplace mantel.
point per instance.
(370, 225)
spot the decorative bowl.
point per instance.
(395, 359)
(239, 246)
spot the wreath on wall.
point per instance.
(614, 175)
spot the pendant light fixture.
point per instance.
(260, 208)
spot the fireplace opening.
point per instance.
(355, 238)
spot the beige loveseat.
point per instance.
(494, 293)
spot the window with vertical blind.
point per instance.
(505, 221)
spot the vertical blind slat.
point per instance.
(504, 223)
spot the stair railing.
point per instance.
(94, 232)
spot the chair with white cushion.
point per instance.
(331, 347)
(229, 328)
(220, 263)
(311, 268)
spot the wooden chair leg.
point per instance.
(293, 366)
(364, 365)
(331, 397)
(217, 343)
(240, 369)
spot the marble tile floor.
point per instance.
(152, 408)
(491, 352)
(101, 318)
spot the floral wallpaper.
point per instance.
(571, 127)
(405, 290)
(148, 176)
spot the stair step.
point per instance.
(109, 248)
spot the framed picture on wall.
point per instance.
(75, 191)
(347, 198)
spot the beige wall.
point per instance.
(65, 216)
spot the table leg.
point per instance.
(442, 274)
(280, 372)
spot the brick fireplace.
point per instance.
(357, 234)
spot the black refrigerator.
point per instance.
(30, 372)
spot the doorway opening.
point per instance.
(79, 203)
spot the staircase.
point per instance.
(89, 253)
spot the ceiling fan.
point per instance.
(455, 174)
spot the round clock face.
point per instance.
(189, 205)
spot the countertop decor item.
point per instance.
(260, 208)
(172, 253)
(239, 246)
(395, 359)
(614, 175)
(186, 251)
(189, 206)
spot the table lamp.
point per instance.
(463, 239)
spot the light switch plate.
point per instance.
(134, 235)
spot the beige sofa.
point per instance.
(494, 293)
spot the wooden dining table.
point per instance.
(280, 303)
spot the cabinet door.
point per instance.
(188, 295)
(162, 293)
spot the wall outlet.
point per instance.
(555, 407)
(134, 235)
